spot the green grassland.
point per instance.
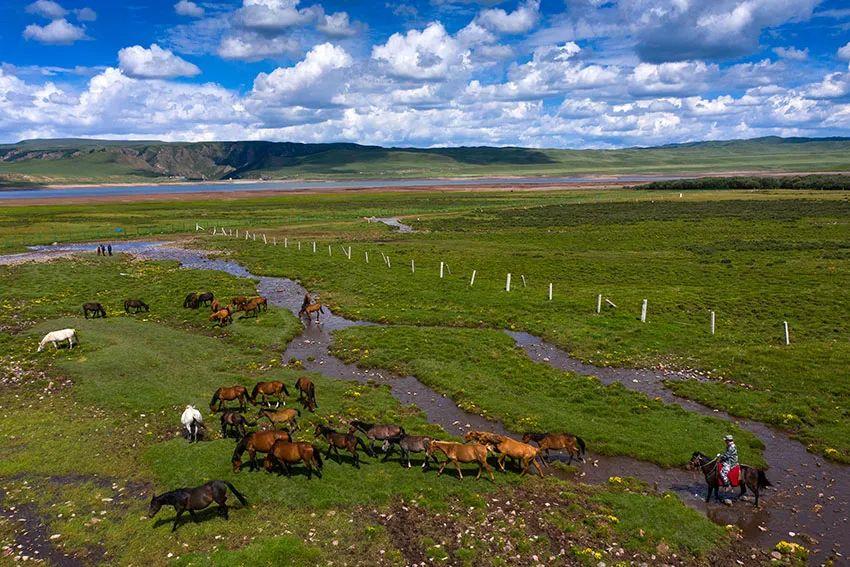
(90, 432)
(87, 161)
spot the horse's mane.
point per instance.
(362, 425)
(535, 436)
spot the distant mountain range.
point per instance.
(108, 161)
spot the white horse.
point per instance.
(57, 337)
(192, 421)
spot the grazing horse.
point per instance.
(461, 453)
(750, 477)
(348, 441)
(573, 444)
(215, 306)
(285, 453)
(96, 309)
(57, 337)
(191, 301)
(235, 421)
(286, 416)
(408, 444)
(222, 317)
(523, 452)
(256, 442)
(136, 305)
(310, 309)
(205, 298)
(225, 394)
(273, 388)
(306, 393)
(239, 301)
(253, 306)
(193, 422)
(377, 432)
(197, 498)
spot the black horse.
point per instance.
(205, 298)
(191, 301)
(136, 305)
(197, 498)
(94, 308)
(751, 477)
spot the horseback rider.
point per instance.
(728, 459)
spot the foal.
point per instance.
(348, 441)
(197, 498)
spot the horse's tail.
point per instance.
(582, 447)
(317, 456)
(762, 480)
(213, 401)
(236, 493)
(254, 392)
(241, 446)
(285, 391)
(364, 446)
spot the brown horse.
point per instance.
(95, 308)
(253, 306)
(136, 305)
(197, 498)
(222, 317)
(461, 453)
(191, 301)
(523, 452)
(225, 394)
(239, 301)
(306, 393)
(272, 388)
(316, 308)
(234, 421)
(285, 453)
(377, 432)
(484, 437)
(348, 441)
(286, 416)
(573, 444)
(215, 306)
(751, 477)
(256, 442)
(205, 298)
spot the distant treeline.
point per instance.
(821, 182)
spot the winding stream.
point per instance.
(810, 498)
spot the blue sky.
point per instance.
(550, 73)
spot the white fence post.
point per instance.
(643, 312)
(508, 282)
(412, 266)
(550, 291)
(389, 265)
(712, 322)
(523, 279)
(299, 245)
(329, 250)
(254, 239)
(787, 335)
(274, 240)
(599, 303)
(441, 270)
(237, 233)
(264, 239)
(472, 279)
(367, 256)
(349, 252)
(314, 247)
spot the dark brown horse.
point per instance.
(197, 498)
(572, 444)
(234, 421)
(228, 394)
(751, 477)
(408, 444)
(136, 305)
(348, 441)
(306, 393)
(377, 432)
(461, 453)
(256, 442)
(205, 298)
(285, 453)
(316, 308)
(95, 308)
(265, 389)
(191, 301)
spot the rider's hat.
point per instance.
(728, 438)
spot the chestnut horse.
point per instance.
(272, 388)
(348, 441)
(461, 453)
(751, 477)
(253, 306)
(306, 393)
(573, 444)
(256, 442)
(225, 394)
(222, 317)
(310, 309)
(285, 453)
(197, 498)
(523, 452)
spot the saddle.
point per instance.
(734, 474)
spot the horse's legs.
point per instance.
(460, 474)
(193, 516)
(180, 511)
(708, 494)
(488, 469)
(537, 466)
(442, 466)
(501, 462)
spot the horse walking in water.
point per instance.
(193, 422)
(348, 441)
(573, 444)
(225, 394)
(136, 305)
(265, 389)
(96, 309)
(316, 308)
(285, 453)
(57, 337)
(750, 477)
(197, 498)
(306, 393)
(522, 452)
(256, 442)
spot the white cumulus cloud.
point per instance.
(154, 63)
(430, 54)
(57, 32)
(188, 8)
(519, 21)
(47, 8)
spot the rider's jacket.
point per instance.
(730, 455)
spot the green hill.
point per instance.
(93, 161)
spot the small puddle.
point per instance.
(393, 222)
(810, 495)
